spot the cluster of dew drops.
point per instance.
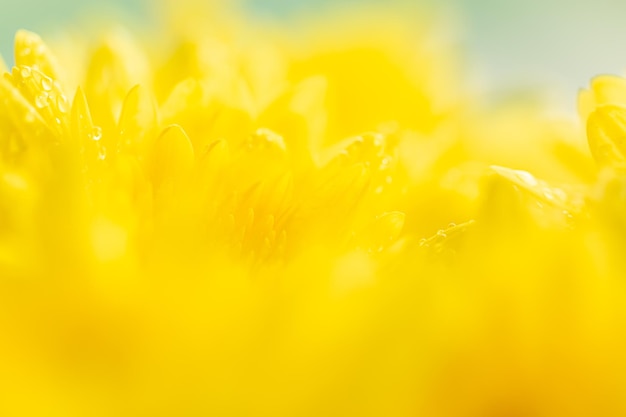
(50, 101)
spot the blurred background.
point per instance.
(547, 45)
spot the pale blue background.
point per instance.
(532, 43)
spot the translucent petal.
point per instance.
(23, 115)
(606, 133)
(46, 94)
(116, 66)
(138, 119)
(3, 65)
(186, 97)
(81, 124)
(32, 52)
(609, 89)
(543, 191)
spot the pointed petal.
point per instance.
(138, 118)
(212, 163)
(82, 126)
(115, 67)
(31, 51)
(3, 65)
(173, 155)
(606, 133)
(23, 115)
(45, 94)
(541, 190)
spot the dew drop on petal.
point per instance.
(46, 84)
(41, 100)
(96, 133)
(102, 153)
(62, 103)
(523, 178)
(526, 178)
(25, 72)
(548, 194)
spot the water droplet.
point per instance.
(96, 133)
(526, 178)
(102, 153)
(57, 120)
(25, 72)
(46, 83)
(62, 103)
(441, 233)
(422, 242)
(379, 140)
(548, 194)
(41, 100)
(523, 178)
(451, 225)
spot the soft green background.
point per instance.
(532, 43)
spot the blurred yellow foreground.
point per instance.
(228, 218)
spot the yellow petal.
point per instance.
(299, 116)
(80, 118)
(3, 65)
(539, 189)
(213, 161)
(173, 155)
(23, 115)
(45, 94)
(185, 98)
(604, 89)
(31, 51)
(138, 119)
(115, 67)
(606, 133)
(609, 89)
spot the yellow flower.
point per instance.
(233, 219)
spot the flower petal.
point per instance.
(606, 132)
